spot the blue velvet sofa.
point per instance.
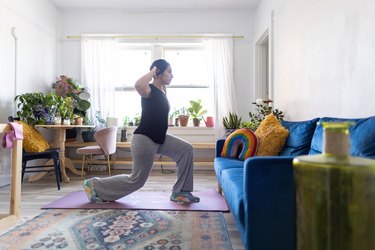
(260, 191)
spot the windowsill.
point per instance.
(191, 134)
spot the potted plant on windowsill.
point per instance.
(124, 137)
(196, 111)
(183, 117)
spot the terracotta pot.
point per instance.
(78, 120)
(183, 119)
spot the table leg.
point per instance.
(37, 176)
(66, 163)
(69, 164)
(60, 142)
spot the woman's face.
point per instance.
(167, 76)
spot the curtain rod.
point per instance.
(157, 36)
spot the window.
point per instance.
(131, 63)
(189, 67)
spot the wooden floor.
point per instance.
(44, 191)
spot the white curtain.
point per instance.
(98, 74)
(220, 63)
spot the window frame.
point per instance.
(158, 50)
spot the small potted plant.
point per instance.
(183, 117)
(124, 129)
(196, 111)
(66, 110)
(170, 119)
(78, 120)
(231, 123)
(51, 103)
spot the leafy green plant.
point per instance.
(66, 108)
(68, 87)
(137, 119)
(262, 109)
(37, 108)
(233, 121)
(125, 121)
(252, 125)
(183, 111)
(196, 109)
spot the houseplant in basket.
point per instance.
(196, 111)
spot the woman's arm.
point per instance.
(142, 84)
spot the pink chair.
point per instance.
(106, 140)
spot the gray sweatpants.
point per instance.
(143, 151)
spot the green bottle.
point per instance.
(335, 195)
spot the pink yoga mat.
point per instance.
(210, 200)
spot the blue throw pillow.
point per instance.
(299, 139)
(362, 136)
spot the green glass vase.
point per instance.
(335, 195)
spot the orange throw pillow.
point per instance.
(271, 136)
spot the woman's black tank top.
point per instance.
(154, 117)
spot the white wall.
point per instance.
(238, 22)
(323, 56)
(36, 26)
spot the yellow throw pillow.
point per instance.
(271, 136)
(33, 140)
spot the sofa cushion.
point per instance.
(221, 164)
(232, 184)
(299, 139)
(241, 144)
(271, 135)
(362, 134)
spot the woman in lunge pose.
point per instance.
(149, 139)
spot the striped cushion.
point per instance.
(241, 139)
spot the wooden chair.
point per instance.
(49, 154)
(6, 220)
(106, 139)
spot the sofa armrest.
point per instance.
(270, 205)
(219, 147)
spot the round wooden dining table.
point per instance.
(59, 142)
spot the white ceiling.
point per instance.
(155, 4)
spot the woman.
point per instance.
(149, 139)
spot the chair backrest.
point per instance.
(106, 138)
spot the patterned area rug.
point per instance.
(119, 229)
